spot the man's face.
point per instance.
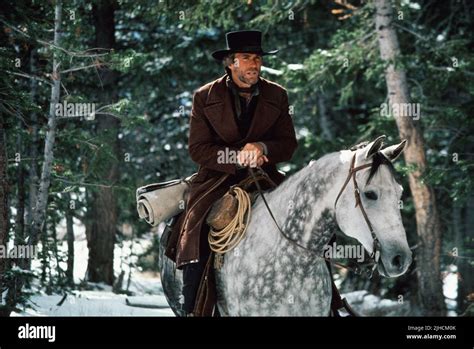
(246, 68)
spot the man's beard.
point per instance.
(249, 79)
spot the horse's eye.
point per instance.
(371, 195)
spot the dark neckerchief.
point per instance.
(237, 90)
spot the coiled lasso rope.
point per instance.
(224, 240)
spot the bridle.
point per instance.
(375, 255)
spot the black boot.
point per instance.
(192, 274)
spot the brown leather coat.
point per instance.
(212, 129)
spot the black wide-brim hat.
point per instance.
(248, 41)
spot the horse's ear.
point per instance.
(394, 151)
(374, 147)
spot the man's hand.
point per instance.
(252, 155)
(261, 160)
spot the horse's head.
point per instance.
(380, 195)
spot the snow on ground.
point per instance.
(368, 304)
(371, 305)
(95, 303)
(101, 301)
(450, 288)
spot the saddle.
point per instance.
(224, 210)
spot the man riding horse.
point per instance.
(241, 117)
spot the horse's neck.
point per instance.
(304, 204)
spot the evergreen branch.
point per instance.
(46, 43)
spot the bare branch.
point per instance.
(410, 31)
(84, 67)
(33, 77)
(61, 179)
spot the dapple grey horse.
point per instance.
(278, 273)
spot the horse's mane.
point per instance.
(379, 159)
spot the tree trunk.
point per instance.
(16, 283)
(60, 281)
(324, 122)
(4, 310)
(39, 212)
(70, 243)
(21, 196)
(20, 210)
(33, 171)
(465, 248)
(44, 255)
(430, 291)
(101, 235)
